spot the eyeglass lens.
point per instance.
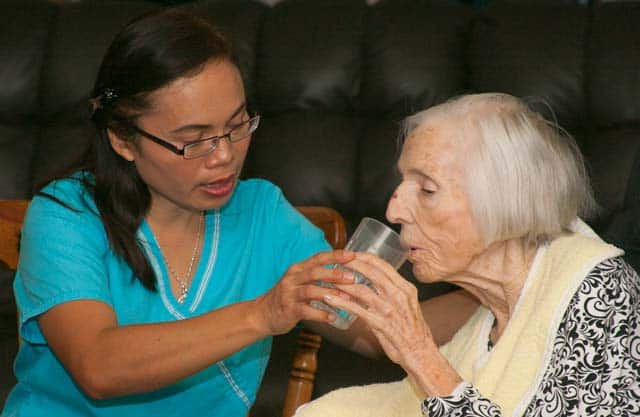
(239, 132)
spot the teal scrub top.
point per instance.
(65, 255)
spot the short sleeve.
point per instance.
(297, 238)
(62, 252)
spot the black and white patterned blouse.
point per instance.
(595, 364)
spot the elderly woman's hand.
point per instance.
(392, 311)
(394, 315)
(287, 302)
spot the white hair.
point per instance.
(525, 176)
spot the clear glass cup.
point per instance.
(374, 237)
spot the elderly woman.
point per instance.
(489, 200)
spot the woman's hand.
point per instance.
(287, 302)
(393, 313)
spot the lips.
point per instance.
(221, 187)
(412, 249)
(405, 244)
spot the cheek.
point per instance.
(465, 239)
(443, 232)
(161, 172)
(451, 241)
(241, 150)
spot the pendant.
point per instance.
(184, 290)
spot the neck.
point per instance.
(178, 232)
(496, 277)
(172, 220)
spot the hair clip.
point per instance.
(108, 96)
(105, 99)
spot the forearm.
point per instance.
(444, 314)
(434, 375)
(447, 313)
(358, 338)
(122, 360)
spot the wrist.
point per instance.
(256, 318)
(435, 376)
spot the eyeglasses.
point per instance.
(205, 146)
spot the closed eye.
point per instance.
(200, 138)
(230, 127)
(203, 138)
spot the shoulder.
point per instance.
(255, 190)
(606, 297)
(610, 280)
(255, 196)
(614, 274)
(71, 192)
(258, 187)
(63, 203)
(266, 204)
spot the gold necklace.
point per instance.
(183, 282)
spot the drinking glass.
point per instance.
(374, 237)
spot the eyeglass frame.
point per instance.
(252, 121)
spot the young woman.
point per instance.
(151, 280)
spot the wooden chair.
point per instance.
(302, 376)
(11, 216)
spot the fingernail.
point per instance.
(346, 274)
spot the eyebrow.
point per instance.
(192, 127)
(414, 171)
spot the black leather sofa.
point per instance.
(333, 79)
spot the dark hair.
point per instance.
(149, 53)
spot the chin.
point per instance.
(424, 274)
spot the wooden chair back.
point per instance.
(11, 217)
(305, 360)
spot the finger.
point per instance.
(323, 276)
(368, 295)
(406, 304)
(310, 292)
(311, 271)
(371, 316)
(383, 279)
(381, 265)
(336, 274)
(311, 313)
(358, 293)
(378, 311)
(339, 256)
(388, 274)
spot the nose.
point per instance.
(397, 210)
(222, 154)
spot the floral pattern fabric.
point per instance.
(595, 364)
